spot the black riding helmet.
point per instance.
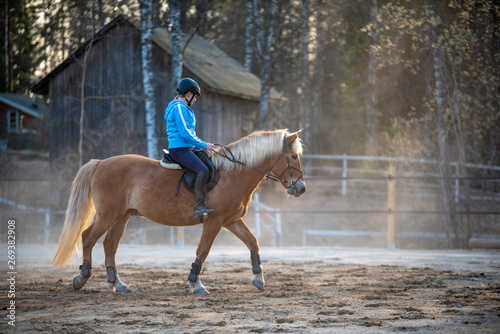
(188, 85)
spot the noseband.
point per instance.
(226, 152)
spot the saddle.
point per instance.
(188, 177)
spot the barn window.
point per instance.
(13, 121)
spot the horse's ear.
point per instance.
(291, 137)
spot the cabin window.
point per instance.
(13, 121)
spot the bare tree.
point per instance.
(83, 65)
(147, 77)
(437, 61)
(81, 124)
(318, 77)
(305, 82)
(371, 110)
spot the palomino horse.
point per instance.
(106, 193)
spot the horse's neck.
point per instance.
(247, 179)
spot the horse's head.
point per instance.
(288, 168)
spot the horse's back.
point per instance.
(125, 180)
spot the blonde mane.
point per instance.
(253, 149)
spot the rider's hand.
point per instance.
(210, 146)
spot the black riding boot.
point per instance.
(200, 196)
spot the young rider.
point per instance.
(182, 139)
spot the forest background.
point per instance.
(416, 79)
(405, 78)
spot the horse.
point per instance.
(106, 193)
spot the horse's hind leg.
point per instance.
(89, 238)
(110, 246)
(241, 230)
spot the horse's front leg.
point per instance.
(210, 230)
(241, 230)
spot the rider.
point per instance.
(182, 139)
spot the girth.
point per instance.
(188, 177)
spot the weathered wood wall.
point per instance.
(114, 103)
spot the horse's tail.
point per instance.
(79, 214)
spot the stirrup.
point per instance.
(201, 213)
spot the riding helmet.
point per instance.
(188, 85)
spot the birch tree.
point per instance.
(175, 20)
(264, 37)
(147, 77)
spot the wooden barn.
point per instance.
(111, 92)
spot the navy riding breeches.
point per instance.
(186, 157)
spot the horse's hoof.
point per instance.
(119, 289)
(78, 282)
(258, 281)
(197, 287)
(118, 286)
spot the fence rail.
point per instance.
(270, 218)
(346, 158)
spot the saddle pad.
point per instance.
(189, 178)
(167, 162)
(169, 165)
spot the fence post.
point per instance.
(257, 215)
(47, 227)
(278, 229)
(391, 205)
(344, 175)
(180, 236)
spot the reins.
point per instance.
(226, 153)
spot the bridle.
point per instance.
(226, 153)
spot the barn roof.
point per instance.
(216, 70)
(32, 106)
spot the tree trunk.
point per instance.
(201, 16)
(147, 78)
(461, 146)
(100, 14)
(155, 13)
(371, 110)
(318, 82)
(264, 47)
(83, 98)
(175, 13)
(443, 163)
(248, 36)
(305, 98)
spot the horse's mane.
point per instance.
(255, 148)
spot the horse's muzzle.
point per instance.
(297, 189)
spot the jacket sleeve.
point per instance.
(185, 130)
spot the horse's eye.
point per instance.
(294, 156)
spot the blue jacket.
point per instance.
(181, 124)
